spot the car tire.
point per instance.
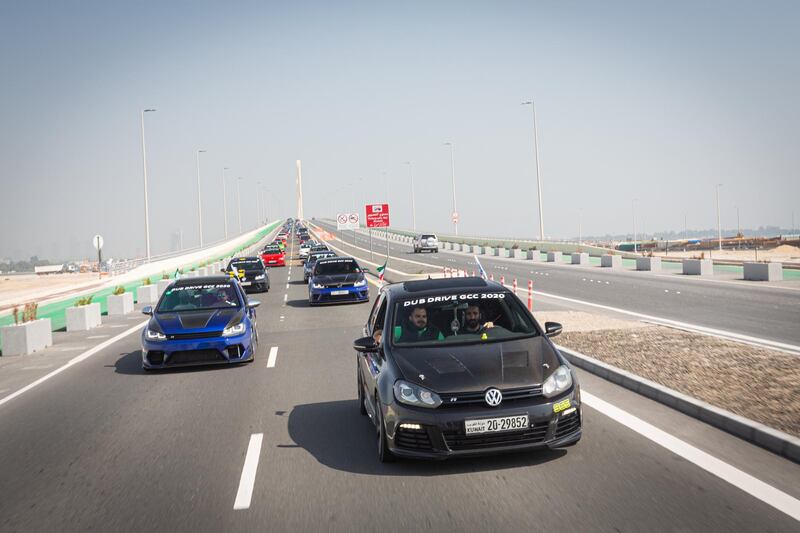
(384, 455)
(361, 407)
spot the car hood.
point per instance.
(335, 279)
(197, 321)
(476, 367)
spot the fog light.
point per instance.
(568, 412)
(410, 426)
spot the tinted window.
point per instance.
(194, 297)
(460, 317)
(248, 266)
(328, 268)
(428, 237)
(272, 250)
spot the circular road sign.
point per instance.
(97, 242)
(354, 218)
(342, 218)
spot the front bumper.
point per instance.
(442, 434)
(193, 352)
(256, 286)
(327, 296)
(277, 262)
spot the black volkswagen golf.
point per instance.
(455, 367)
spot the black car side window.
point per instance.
(377, 319)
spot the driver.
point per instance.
(472, 321)
(416, 328)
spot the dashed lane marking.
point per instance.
(273, 356)
(245, 493)
(97, 336)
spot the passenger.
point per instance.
(472, 321)
(416, 328)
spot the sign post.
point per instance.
(97, 242)
(378, 217)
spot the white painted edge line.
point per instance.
(74, 361)
(743, 481)
(245, 493)
(273, 355)
(754, 341)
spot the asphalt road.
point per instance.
(751, 308)
(105, 447)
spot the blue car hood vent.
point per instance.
(204, 320)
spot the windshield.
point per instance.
(247, 266)
(272, 250)
(428, 237)
(461, 317)
(344, 266)
(194, 297)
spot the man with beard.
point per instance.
(472, 321)
(416, 328)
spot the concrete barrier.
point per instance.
(501, 252)
(477, 250)
(763, 271)
(24, 339)
(653, 264)
(447, 245)
(162, 285)
(456, 247)
(120, 304)
(554, 257)
(147, 294)
(611, 261)
(83, 317)
(466, 248)
(518, 254)
(580, 258)
(193, 274)
(534, 255)
(698, 267)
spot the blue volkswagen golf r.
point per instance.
(200, 321)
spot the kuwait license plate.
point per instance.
(273, 261)
(339, 293)
(491, 425)
(245, 283)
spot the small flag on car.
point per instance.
(177, 273)
(480, 266)
(381, 269)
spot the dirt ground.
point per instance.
(783, 254)
(22, 288)
(759, 384)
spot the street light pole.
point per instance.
(146, 202)
(538, 167)
(199, 202)
(258, 203)
(413, 204)
(453, 180)
(225, 200)
(738, 225)
(719, 225)
(239, 204)
(633, 210)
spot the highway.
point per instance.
(751, 309)
(103, 446)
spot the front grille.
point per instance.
(413, 439)
(568, 424)
(459, 440)
(509, 395)
(155, 357)
(235, 351)
(338, 286)
(202, 335)
(195, 356)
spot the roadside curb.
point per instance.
(766, 437)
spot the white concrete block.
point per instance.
(653, 264)
(698, 267)
(516, 253)
(162, 285)
(554, 257)
(611, 261)
(501, 252)
(147, 294)
(121, 304)
(24, 339)
(763, 271)
(534, 255)
(580, 258)
(83, 317)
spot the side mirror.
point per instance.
(551, 329)
(147, 310)
(365, 344)
(253, 303)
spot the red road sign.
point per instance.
(377, 215)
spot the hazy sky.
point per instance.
(657, 101)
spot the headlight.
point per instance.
(260, 276)
(238, 329)
(558, 382)
(411, 394)
(317, 286)
(153, 335)
(360, 283)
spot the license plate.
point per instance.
(492, 425)
(273, 262)
(339, 293)
(245, 283)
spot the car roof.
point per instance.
(439, 285)
(335, 260)
(248, 259)
(183, 282)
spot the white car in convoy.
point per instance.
(426, 242)
(305, 248)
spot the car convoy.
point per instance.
(445, 367)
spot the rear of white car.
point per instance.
(426, 242)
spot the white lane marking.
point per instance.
(743, 481)
(74, 361)
(287, 285)
(285, 296)
(36, 367)
(119, 325)
(273, 355)
(97, 337)
(248, 479)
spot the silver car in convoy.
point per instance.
(426, 242)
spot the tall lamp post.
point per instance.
(633, 211)
(538, 167)
(199, 201)
(146, 202)
(258, 203)
(239, 204)
(719, 225)
(225, 200)
(413, 203)
(453, 180)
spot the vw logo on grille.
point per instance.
(493, 397)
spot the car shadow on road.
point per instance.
(340, 438)
(131, 364)
(298, 303)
